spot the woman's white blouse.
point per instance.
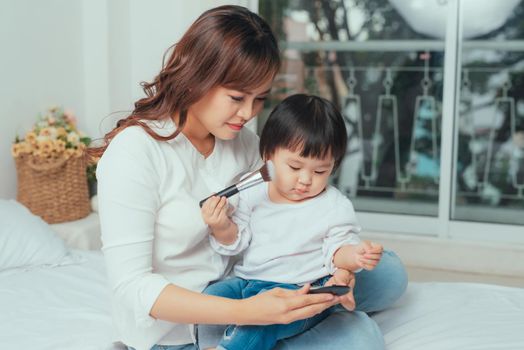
(152, 230)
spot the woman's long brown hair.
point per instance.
(226, 46)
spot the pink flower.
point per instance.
(69, 116)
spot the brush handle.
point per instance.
(228, 192)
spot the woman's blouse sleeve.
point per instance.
(128, 185)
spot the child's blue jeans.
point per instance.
(257, 337)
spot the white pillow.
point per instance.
(26, 240)
(94, 203)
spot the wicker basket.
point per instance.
(55, 190)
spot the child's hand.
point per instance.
(368, 254)
(214, 212)
(343, 277)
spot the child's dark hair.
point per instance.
(307, 123)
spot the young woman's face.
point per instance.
(223, 112)
(298, 178)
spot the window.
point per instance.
(489, 180)
(433, 102)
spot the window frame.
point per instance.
(442, 226)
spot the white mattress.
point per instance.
(458, 316)
(68, 308)
(64, 307)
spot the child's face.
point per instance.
(298, 178)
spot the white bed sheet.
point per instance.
(65, 307)
(455, 316)
(68, 307)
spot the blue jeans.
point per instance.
(254, 337)
(374, 291)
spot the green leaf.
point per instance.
(85, 140)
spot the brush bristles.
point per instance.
(267, 171)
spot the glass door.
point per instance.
(489, 183)
(430, 94)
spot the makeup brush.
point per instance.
(264, 174)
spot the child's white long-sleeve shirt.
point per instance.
(290, 243)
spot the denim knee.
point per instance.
(378, 289)
(341, 330)
(398, 284)
(366, 333)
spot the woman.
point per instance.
(185, 140)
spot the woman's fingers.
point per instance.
(304, 290)
(307, 311)
(297, 298)
(307, 305)
(303, 300)
(282, 306)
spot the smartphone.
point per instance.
(336, 290)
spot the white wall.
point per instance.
(87, 55)
(40, 65)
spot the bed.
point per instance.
(62, 307)
(63, 303)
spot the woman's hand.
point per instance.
(283, 306)
(343, 277)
